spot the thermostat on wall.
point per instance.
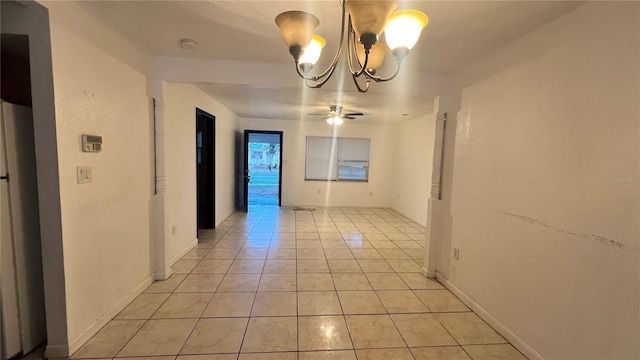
(91, 143)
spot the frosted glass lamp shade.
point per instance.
(404, 27)
(297, 27)
(376, 55)
(335, 120)
(370, 17)
(312, 52)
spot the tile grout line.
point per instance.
(214, 291)
(251, 223)
(176, 288)
(344, 316)
(295, 237)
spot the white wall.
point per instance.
(105, 224)
(181, 102)
(297, 191)
(550, 245)
(411, 166)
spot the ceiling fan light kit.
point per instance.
(335, 120)
(336, 117)
(365, 22)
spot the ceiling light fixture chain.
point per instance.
(366, 21)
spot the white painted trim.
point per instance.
(163, 275)
(516, 341)
(327, 206)
(422, 222)
(161, 232)
(183, 252)
(76, 343)
(429, 275)
(419, 222)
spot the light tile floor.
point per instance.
(278, 284)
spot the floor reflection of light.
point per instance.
(328, 330)
(258, 243)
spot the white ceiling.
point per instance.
(459, 32)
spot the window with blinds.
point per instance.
(337, 159)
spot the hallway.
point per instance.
(336, 283)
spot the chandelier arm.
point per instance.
(353, 55)
(318, 82)
(364, 66)
(380, 79)
(317, 85)
(326, 77)
(361, 89)
(323, 77)
(350, 49)
(306, 77)
(314, 82)
(352, 52)
(372, 76)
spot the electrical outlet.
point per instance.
(456, 253)
(319, 192)
(173, 230)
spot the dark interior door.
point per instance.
(205, 169)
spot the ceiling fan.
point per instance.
(336, 116)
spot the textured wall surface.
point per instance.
(105, 224)
(181, 102)
(411, 166)
(543, 185)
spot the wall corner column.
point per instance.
(434, 206)
(162, 266)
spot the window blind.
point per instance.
(322, 157)
(337, 159)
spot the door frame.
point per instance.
(247, 177)
(209, 151)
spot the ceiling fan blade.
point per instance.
(348, 117)
(354, 114)
(324, 114)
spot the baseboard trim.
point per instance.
(412, 218)
(163, 275)
(516, 341)
(184, 252)
(56, 351)
(76, 343)
(327, 206)
(428, 274)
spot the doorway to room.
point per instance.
(262, 168)
(22, 303)
(205, 169)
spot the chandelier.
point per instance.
(367, 20)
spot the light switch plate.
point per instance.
(84, 174)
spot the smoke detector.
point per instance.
(188, 44)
